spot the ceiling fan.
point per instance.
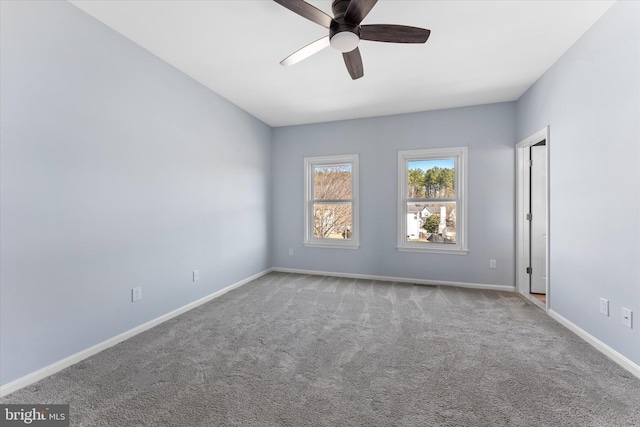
(345, 31)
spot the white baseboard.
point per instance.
(621, 360)
(398, 279)
(81, 355)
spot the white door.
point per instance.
(539, 219)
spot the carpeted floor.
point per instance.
(298, 350)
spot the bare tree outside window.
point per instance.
(331, 201)
(332, 207)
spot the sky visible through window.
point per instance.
(333, 168)
(428, 164)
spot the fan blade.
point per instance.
(306, 51)
(308, 11)
(353, 61)
(394, 33)
(358, 10)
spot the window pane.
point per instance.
(431, 179)
(332, 221)
(431, 222)
(332, 182)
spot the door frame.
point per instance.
(522, 224)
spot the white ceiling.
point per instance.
(479, 52)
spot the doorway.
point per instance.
(532, 218)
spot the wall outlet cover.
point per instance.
(136, 294)
(604, 306)
(627, 317)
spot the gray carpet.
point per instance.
(297, 350)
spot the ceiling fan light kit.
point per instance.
(345, 31)
(345, 41)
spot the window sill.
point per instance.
(433, 250)
(331, 245)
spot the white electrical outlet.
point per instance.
(604, 306)
(627, 317)
(492, 263)
(196, 275)
(136, 294)
(290, 251)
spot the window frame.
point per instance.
(310, 163)
(460, 155)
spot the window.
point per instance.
(331, 201)
(432, 208)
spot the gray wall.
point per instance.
(591, 100)
(117, 171)
(488, 131)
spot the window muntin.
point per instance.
(331, 208)
(431, 205)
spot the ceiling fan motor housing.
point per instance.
(344, 36)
